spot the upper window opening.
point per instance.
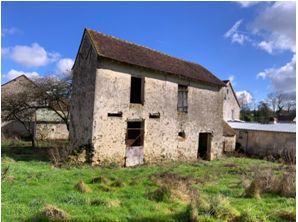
(137, 90)
(182, 98)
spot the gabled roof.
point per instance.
(130, 53)
(227, 83)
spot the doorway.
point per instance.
(204, 146)
(134, 143)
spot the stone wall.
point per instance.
(51, 131)
(82, 99)
(229, 143)
(229, 104)
(161, 141)
(263, 143)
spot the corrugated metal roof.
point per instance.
(277, 127)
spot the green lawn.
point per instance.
(30, 184)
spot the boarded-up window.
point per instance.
(182, 98)
(135, 133)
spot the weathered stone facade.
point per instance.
(102, 86)
(231, 108)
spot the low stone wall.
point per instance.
(51, 131)
(264, 143)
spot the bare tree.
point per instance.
(280, 101)
(56, 92)
(19, 105)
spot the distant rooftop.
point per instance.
(277, 127)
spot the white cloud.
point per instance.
(14, 74)
(235, 35)
(244, 97)
(273, 30)
(64, 66)
(9, 31)
(282, 79)
(276, 24)
(30, 56)
(246, 4)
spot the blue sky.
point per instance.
(252, 44)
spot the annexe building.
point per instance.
(132, 104)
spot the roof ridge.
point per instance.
(146, 47)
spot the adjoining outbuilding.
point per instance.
(277, 139)
(132, 104)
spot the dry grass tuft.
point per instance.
(286, 215)
(287, 187)
(245, 216)
(114, 203)
(118, 183)
(100, 179)
(52, 212)
(220, 208)
(82, 187)
(254, 190)
(162, 193)
(266, 181)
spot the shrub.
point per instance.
(82, 187)
(52, 212)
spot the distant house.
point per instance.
(46, 124)
(266, 139)
(132, 104)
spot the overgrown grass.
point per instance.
(141, 193)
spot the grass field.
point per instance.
(134, 194)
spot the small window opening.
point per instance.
(227, 91)
(154, 115)
(181, 134)
(137, 90)
(135, 133)
(118, 114)
(182, 98)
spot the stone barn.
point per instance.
(131, 104)
(231, 112)
(45, 123)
